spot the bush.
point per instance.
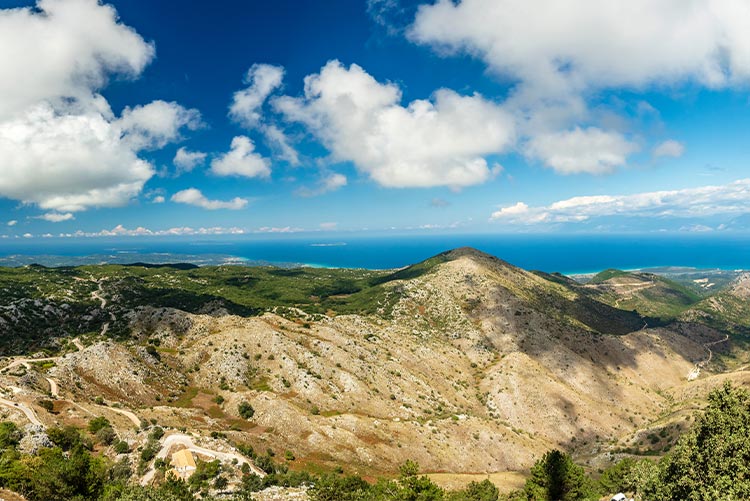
(98, 423)
(106, 436)
(122, 447)
(246, 410)
(45, 404)
(477, 491)
(66, 438)
(156, 433)
(149, 452)
(615, 478)
(10, 435)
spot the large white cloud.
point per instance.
(704, 201)
(558, 55)
(438, 142)
(241, 160)
(68, 162)
(193, 196)
(61, 146)
(558, 46)
(64, 49)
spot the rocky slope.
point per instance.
(463, 363)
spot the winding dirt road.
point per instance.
(693, 374)
(27, 411)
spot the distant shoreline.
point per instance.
(569, 255)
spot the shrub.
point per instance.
(246, 410)
(122, 447)
(106, 436)
(10, 435)
(156, 433)
(45, 404)
(98, 423)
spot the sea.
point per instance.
(567, 254)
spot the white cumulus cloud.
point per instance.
(186, 160)
(156, 124)
(262, 80)
(559, 55)
(576, 151)
(436, 142)
(557, 47)
(64, 49)
(241, 160)
(193, 196)
(279, 143)
(63, 148)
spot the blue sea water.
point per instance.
(564, 254)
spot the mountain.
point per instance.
(463, 362)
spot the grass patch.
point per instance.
(186, 399)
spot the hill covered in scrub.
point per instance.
(463, 363)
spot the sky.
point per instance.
(177, 117)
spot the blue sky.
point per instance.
(485, 116)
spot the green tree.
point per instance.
(617, 478)
(156, 433)
(712, 460)
(339, 488)
(416, 488)
(122, 447)
(556, 477)
(477, 491)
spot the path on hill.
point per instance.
(54, 390)
(97, 294)
(28, 412)
(693, 374)
(187, 442)
(133, 418)
(26, 362)
(78, 344)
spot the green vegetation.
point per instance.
(63, 302)
(605, 275)
(98, 423)
(709, 462)
(245, 410)
(556, 477)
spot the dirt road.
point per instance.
(187, 442)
